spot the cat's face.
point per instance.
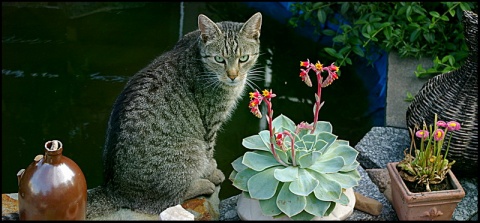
(229, 49)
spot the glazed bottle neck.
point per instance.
(53, 157)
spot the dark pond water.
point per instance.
(61, 75)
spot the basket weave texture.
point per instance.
(453, 96)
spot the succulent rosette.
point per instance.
(300, 171)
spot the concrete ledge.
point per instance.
(400, 80)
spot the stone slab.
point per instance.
(400, 80)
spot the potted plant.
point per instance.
(299, 172)
(423, 185)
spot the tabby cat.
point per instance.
(161, 134)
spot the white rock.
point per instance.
(176, 213)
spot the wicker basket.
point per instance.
(453, 96)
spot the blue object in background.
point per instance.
(374, 77)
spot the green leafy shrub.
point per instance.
(413, 29)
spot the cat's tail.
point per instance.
(99, 203)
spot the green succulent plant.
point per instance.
(301, 171)
(325, 167)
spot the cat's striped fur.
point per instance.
(162, 129)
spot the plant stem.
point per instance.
(317, 100)
(270, 129)
(292, 146)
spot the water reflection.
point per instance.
(61, 75)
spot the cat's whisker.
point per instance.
(251, 84)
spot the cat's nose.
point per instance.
(232, 74)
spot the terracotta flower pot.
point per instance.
(435, 205)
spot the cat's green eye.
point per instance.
(219, 59)
(244, 58)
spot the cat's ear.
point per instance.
(251, 28)
(208, 29)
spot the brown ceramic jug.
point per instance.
(52, 187)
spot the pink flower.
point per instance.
(256, 112)
(305, 64)
(453, 125)
(257, 99)
(254, 102)
(422, 134)
(438, 134)
(330, 78)
(279, 140)
(441, 124)
(333, 67)
(255, 94)
(305, 77)
(318, 65)
(268, 94)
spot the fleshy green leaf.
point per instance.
(269, 206)
(308, 159)
(238, 165)
(315, 206)
(327, 137)
(323, 126)
(282, 154)
(343, 200)
(263, 184)
(350, 167)
(300, 144)
(309, 140)
(326, 191)
(330, 209)
(320, 145)
(348, 153)
(304, 184)
(265, 135)
(242, 177)
(287, 174)
(289, 203)
(340, 142)
(345, 179)
(303, 216)
(259, 160)
(282, 122)
(327, 165)
(232, 175)
(255, 142)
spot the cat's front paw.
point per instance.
(199, 187)
(217, 177)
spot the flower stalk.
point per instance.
(256, 98)
(318, 68)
